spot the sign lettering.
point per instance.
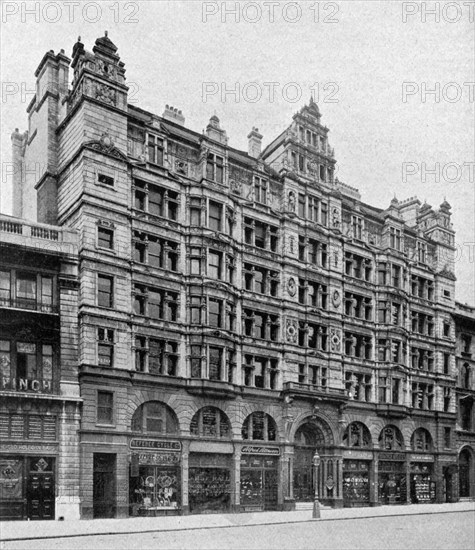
(155, 444)
(257, 450)
(26, 384)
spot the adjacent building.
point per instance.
(239, 310)
(464, 317)
(39, 390)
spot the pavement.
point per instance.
(34, 530)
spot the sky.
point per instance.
(394, 82)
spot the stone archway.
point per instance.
(310, 436)
(466, 473)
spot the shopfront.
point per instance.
(423, 488)
(392, 482)
(259, 478)
(154, 481)
(356, 482)
(209, 483)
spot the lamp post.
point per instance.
(316, 504)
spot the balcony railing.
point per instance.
(330, 393)
(45, 237)
(24, 303)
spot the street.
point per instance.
(446, 530)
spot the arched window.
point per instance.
(259, 426)
(155, 417)
(210, 422)
(309, 435)
(357, 435)
(421, 440)
(390, 439)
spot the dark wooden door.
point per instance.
(104, 501)
(40, 496)
(303, 475)
(270, 489)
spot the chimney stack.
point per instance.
(173, 114)
(254, 143)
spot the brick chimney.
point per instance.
(254, 143)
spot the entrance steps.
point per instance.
(301, 506)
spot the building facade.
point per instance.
(39, 392)
(239, 310)
(464, 317)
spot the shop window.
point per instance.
(105, 407)
(105, 238)
(105, 288)
(421, 441)
(155, 417)
(210, 422)
(390, 439)
(357, 435)
(259, 426)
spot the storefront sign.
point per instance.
(392, 456)
(155, 444)
(358, 455)
(422, 458)
(257, 450)
(26, 385)
(28, 447)
(159, 458)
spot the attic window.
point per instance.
(105, 180)
(446, 293)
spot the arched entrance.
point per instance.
(308, 437)
(465, 473)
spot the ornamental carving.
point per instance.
(236, 187)
(335, 339)
(291, 330)
(336, 299)
(336, 218)
(291, 201)
(291, 286)
(105, 93)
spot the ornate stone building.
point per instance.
(464, 317)
(240, 310)
(39, 391)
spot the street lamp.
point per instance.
(316, 504)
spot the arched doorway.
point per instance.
(308, 437)
(465, 473)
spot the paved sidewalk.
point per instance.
(24, 530)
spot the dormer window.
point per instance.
(155, 149)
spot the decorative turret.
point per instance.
(214, 131)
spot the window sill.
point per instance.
(101, 425)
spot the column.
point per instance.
(374, 490)
(408, 479)
(236, 480)
(184, 477)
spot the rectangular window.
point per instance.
(105, 180)
(105, 407)
(446, 329)
(215, 313)
(5, 359)
(26, 290)
(446, 363)
(215, 261)
(105, 290)
(395, 238)
(26, 360)
(105, 348)
(105, 238)
(447, 438)
(260, 190)
(215, 217)
(155, 149)
(195, 211)
(195, 361)
(357, 227)
(302, 205)
(5, 287)
(215, 363)
(421, 252)
(215, 168)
